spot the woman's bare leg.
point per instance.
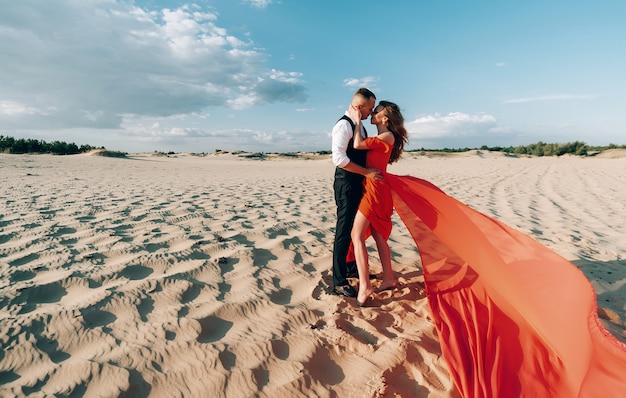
(384, 253)
(360, 253)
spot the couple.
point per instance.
(363, 199)
(513, 318)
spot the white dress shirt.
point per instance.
(341, 135)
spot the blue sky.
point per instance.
(274, 75)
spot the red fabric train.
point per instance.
(514, 318)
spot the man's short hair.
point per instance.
(364, 92)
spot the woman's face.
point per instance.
(377, 114)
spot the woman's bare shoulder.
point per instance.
(386, 137)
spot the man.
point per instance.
(348, 186)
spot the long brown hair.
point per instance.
(395, 124)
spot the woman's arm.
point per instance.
(355, 114)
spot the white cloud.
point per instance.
(71, 64)
(457, 130)
(367, 81)
(556, 97)
(158, 133)
(260, 3)
(12, 108)
(165, 133)
(263, 136)
(501, 64)
(288, 77)
(243, 101)
(452, 124)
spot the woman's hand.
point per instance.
(355, 113)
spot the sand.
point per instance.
(208, 276)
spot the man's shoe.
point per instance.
(345, 290)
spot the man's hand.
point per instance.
(373, 173)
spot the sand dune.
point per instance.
(209, 276)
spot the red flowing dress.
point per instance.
(377, 202)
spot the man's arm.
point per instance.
(341, 135)
(364, 171)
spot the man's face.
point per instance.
(366, 106)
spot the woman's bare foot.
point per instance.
(363, 296)
(388, 285)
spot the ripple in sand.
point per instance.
(47, 345)
(145, 308)
(7, 237)
(323, 369)
(20, 276)
(30, 297)
(262, 257)
(191, 293)
(94, 317)
(228, 359)
(281, 297)
(136, 272)
(280, 349)
(24, 260)
(213, 329)
(8, 376)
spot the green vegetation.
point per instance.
(543, 149)
(538, 149)
(111, 154)
(579, 148)
(21, 145)
(253, 155)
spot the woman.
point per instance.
(376, 207)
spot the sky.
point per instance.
(275, 75)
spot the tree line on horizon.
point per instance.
(539, 148)
(28, 145)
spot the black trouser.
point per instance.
(348, 193)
